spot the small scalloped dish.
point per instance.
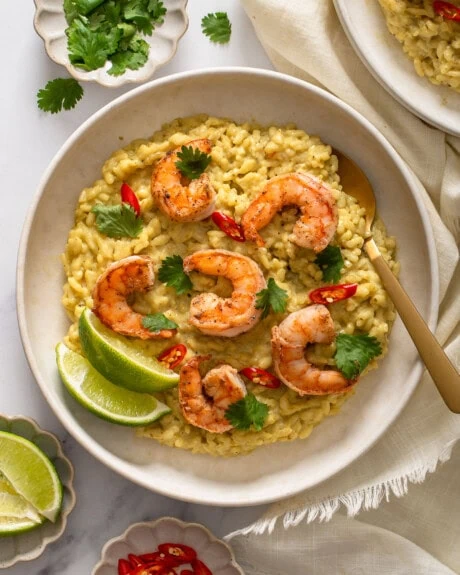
(50, 24)
(143, 538)
(29, 545)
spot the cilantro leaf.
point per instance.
(156, 10)
(158, 321)
(192, 162)
(70, 11)
(121, 61)
(331, 262)
(246, 412)
(117, 221)
(172, 274)
(86, 6)
(217, 27)
(89, 49)
(58, 94)
(354, 352)
(145, 14)
(272, 297)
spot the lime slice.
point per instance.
(120, 360)
(31, 474)
(14, 526)
(104, 399)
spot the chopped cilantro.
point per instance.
(217, 27)
(158, 321)
(331, 262)
(58, 94)
(89, 49)
(101, 30)
(272, 297)
(192, 162)
(354, 352)
(118, 221)
(134, 57)
(172, 274)
(246, 412)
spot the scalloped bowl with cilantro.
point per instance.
(281, 443)
(112, 42)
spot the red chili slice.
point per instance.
(447, 10)
(124, 567)
(186, 572)
(153, 570)
(228, 226)
(158, 558)
(129, 197)
(135, 560)
(330, 294)
(199, 568)
(183, 552)
(260, 376)
(173, 356)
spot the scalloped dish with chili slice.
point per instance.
(229, 254)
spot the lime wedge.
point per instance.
(104, 399)
(120, 360)
(17, 507)
(31, 474)
(14, 526)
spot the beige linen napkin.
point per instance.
(304, 38)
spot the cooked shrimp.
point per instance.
(120, 279)
(231, 316)
(318, 221)
(312, 324)
(181, 199)
(204, 401)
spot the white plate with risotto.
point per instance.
(260, 125)
(412, 51)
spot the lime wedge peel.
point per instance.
(14, 526)
(106, 400)
(120, 360)
(31, 474)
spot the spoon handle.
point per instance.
(444, 374)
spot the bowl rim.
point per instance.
(151, 524)
(65, 512)
(81, 435)
(82, 76)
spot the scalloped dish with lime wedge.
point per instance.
(219, 294)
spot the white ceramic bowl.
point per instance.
(50, 24)
(30, 545)
(271, 472)
(143, 538)
(365, 25)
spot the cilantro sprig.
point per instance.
(246, 412)
(101, 30)
(157, 321)
(272, 297)
(118, 221)
(172, 274)
(58, 94)
(192, 162)
(354, 353)
(331, 262)
(217, 27)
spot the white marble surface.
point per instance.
(106, 503)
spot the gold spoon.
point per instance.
(444, 374)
